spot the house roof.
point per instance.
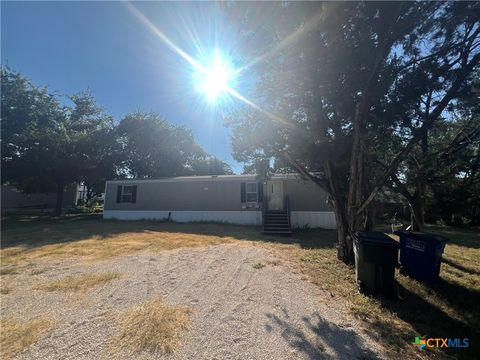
(205, 178)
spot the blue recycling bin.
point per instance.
(421, 254)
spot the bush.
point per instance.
(460, 221)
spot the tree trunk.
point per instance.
(355, 181)
(58, 207)
(418, 203)
(345, 245)
(370, 217)
(418, 214)
(348, 212)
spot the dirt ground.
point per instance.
(246, 303)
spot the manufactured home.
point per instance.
(283, 202)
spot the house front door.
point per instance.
(275, 195)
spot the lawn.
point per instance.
(448, 308)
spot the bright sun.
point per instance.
(214, 80)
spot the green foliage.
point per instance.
(259, 265)
(152, 148)
(29, 117)
(441, 175)
(455, 200)
(350, 87)
(46, 146)
(315, 81)
(210, 165)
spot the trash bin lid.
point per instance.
(422, 236)
(374, 238)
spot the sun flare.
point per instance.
(215, 78)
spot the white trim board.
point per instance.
(313, 219)
(233, 217)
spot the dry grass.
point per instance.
(324, 269)
(4, 290)
(274, 262)
(38, 271)
(446, 308)
(17, 335)
(80, 282)
(95, 239)
(8, 271)
(259, 265)
(153, 326)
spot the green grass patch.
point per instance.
(259, 265)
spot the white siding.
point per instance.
(313, 219)
(234, 217)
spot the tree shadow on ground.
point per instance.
(429, 320)
(41, 229)
(465, 237)
(460, 236)
(318, 338)
(462, 295)
(459, 266)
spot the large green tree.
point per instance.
(210, 165)
(152, 147)
(47, 146)
(333, 78)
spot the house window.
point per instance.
(252, 192)
(126, 194)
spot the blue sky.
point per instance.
(103, 47)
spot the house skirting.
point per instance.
(312, 219)
(233, 217)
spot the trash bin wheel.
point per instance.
(403, 271)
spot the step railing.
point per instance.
(264, 209)
(286, 206)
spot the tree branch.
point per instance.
(402, 188)
(451, 93)
(305, 173)
(441, 51)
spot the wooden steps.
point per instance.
(276, 222)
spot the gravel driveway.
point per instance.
(239, 311)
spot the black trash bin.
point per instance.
(376, 256)
(421, 254)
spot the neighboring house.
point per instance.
(83, 194)
(391, 205)
(282, 202)
(14, 199)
